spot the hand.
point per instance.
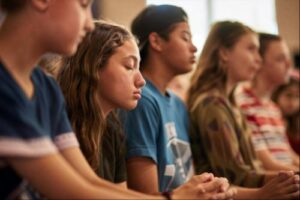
(283, 186)
(204, 186)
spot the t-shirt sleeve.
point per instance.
(64, 136)
(141, 128)
(19, 134)
(222, 145)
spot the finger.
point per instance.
(285, 174)
(205, 177)
(291, 189)
(221, 195)
(290, 181)
(294, 195)
(213, 186)
(224, 184)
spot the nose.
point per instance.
(140, 81)
(258, 59)
(193, 48)
(288, 64)
(89, 23)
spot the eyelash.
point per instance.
(128, 67)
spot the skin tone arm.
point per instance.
(296, 159)
(122, 185)
(142, 176)
(270, 163)
(282, 186)
(69, 177)
(64, 181)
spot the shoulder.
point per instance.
(244, 97)
(210, 106)
(47, 85)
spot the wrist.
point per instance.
(167, 195)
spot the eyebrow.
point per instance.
(187, 32)
(135, 59)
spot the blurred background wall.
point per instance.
(286, 15)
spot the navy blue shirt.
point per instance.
(30, 128)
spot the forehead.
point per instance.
(129, 48)
(181, 27)
(277, 47)
(248, 38)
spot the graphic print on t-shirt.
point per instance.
(181, 169)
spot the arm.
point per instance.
(296, 158)
(207, 186)
(142, 175)
(63, 181)
(270, 163)
(122, 185)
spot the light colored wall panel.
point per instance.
(121, 11)
(288, 22)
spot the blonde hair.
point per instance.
(210, 72)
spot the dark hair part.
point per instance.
(264, 41)
(11, 6)
(161, 19)
(79, 81)
(210, 71)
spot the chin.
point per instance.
(130, 106)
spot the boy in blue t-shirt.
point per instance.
(157, 129)
(158, 149)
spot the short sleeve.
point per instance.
(141, 129)
(20, 135)
(33, 127)
(64, 136)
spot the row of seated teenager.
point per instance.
(108, 127)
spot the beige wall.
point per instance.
(288, 22)
(121, 11)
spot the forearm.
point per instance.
(246, 193)
(279, 166)
(125, 193)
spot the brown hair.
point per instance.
(79, 80)
(264, 41)
(210, 73)
(293, 126)
(11, 6)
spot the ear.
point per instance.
(223, 54)
(155, 41)
(40, 5)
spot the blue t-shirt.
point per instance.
(30, 128)
(158, 129)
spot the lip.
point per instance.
(193, 59)
(137, 95)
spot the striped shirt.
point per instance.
(266, 122)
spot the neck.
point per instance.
(230, 84)
(262, 88)
(19, 50)
(158, 73)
